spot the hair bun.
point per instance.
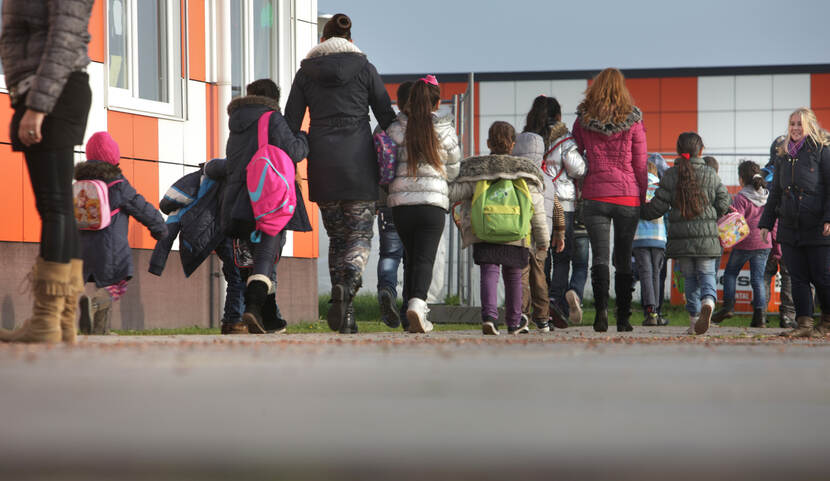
(339, 25)
(344, 22)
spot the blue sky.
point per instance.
(444, 36)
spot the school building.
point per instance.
(162, 73)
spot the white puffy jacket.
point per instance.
(563, 154)
(429, 187)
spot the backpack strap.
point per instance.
(114, 211)
(262, 129)
(544, 162)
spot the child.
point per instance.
(693, 239)
(428, 155)
(108, 260)
(511, 257)
(534, 282)
(712, 162)
(649, 250)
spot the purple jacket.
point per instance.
(616, 157)
(750, 203)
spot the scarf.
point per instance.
(794, 147)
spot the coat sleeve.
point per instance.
(379, 99)
(722, 199)
(572, 160)
(739, 203)
(216, 169)
(294, 144)
(539, 221)
(577, 133)
(661, 202)
(558, 219)
(296, 104)
(824, 168)
(136, 206)
(453, 156)
(461, 191)
(68, 20)
(770, 214)
(639, 155)
(163, 247)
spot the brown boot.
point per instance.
(69, 332)
(804, 329)
(49, 289)
(823, 328)
(101, 305)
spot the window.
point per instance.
(144, 55)
(253, 42)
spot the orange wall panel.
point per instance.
(651, 121)
(120, 127)
(646, 93)
(146, 182)
(196, 37)
(145, 137)
(820, 92)
(214, 150)
(95, 49)
(674, 124)
(31, 219)
(823, 116)
(678, 94)
(11, 194)
(6, 113)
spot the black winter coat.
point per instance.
(338, 85)
(799, 197)
(106, 252)
(236, 215)
(192, 208)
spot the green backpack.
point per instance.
(501, 210)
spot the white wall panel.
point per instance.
(304, 10)
(288, 248)
(306, 39)
(753, 92)
(497, 98)
(171, 141)
(528, 90)
(715, 93)
(717, 130)
(569, 93)
(780, 122)
(569, 120)
(753, 130)
(790, 92)
(484, 122)
(195, 145)
(97, 120)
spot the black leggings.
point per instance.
(267, 252)
(50, 173)
(420, 228)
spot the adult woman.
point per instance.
(428, 156)
(43, 50)
(610, 135)
(338, 84)
(800, 200)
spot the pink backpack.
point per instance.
(92, 204)
(271, 183)
(732, 228)
(387, 157)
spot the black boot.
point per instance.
(351, 284)
(272, 320)
(349, 326)
(623, 288)
(85, 321)
(759, 318)
(600, 280)
(341, 299)
(256, 293)
(726, 311)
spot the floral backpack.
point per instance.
(92, 204)
(387, 157)
(732, 228)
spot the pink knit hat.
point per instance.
(102, 147)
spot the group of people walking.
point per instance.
(566, 189)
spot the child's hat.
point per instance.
(103, 148)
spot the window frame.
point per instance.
(247, 19)
(128, 100)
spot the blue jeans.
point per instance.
(235, 292)
(699, 274)
(391, 251)
(757, 263)
(576, 254)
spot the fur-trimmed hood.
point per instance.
(334, 63)
(487, 167)
(611, 128)
(556, 131)
(239, 102)
(97, 170)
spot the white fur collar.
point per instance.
(333, 45)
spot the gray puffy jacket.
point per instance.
(45, 40)
(563, 154)
(429, 187)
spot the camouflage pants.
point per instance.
(349, 227)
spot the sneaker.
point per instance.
(416, 314)
(488, 328)
(522, 328)
(706, 309)
(388, 310)
(662, 321)
(277, 326)
(557, 318)
(542, 326)
(574, 308)
(651, 319)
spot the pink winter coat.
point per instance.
(616, 157)
(750, 203)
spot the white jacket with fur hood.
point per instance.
(490, 167)
(429, 187)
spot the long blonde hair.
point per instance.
(811, 127)
(607, 99)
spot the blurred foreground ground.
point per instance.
(450, 405)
